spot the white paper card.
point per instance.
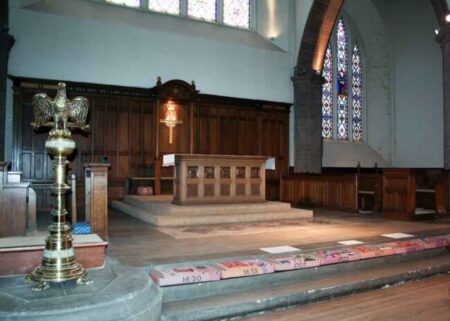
(279, 249)
(270, 163)
(168, 160)
(397, 235)
(350, 242)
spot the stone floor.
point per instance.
(136, 243)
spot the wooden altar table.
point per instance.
(218, 179)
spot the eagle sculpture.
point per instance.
(66, 113)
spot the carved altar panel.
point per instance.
(216, 179)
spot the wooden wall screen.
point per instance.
(328, 191)
(126, 128)
(121, 130)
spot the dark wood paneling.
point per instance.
(119, 122)
(399, 188)
(327, 191)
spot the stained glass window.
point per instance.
(128, 3)
(202, 9)
(342, 110)
(342, 82)
(356, 94)
(236, 13)
(167, 6)
(327, 95)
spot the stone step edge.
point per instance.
(145, 300)
(334, 246)
(263, 281)
(205, 219)
(227, 219)
(221, 209)
(303, 297)
(192, 214)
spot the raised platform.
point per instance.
(132, 295)
(159, 211)
(118, 293)
(238, 297)
(20, 255)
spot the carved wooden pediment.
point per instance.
(175, 89)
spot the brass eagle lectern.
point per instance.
(59, 263)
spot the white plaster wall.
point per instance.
(366, 26)
(302, 9)
(95, 49)
(418, 96)
(89, 41)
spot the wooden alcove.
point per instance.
(126, 128)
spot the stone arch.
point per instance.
(316, 34)
(307, 83)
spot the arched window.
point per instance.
(346, 104)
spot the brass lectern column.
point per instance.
(59, 263)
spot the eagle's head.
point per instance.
(61, 97)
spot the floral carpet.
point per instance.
(186, 232)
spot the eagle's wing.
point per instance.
(78, 110)
(43, 109)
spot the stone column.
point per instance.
(308, 122)
(444, 39)
(6, 42)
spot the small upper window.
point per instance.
(128, 3)
(166, 6)
(236, 13)
(203, 9)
